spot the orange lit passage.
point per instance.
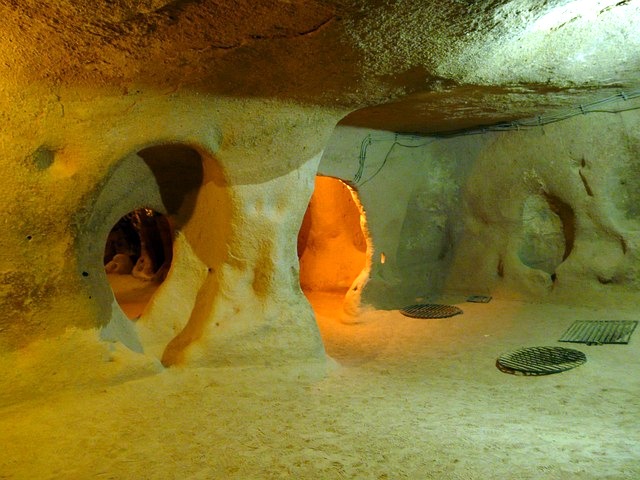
(331, 245)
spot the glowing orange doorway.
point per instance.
(333, 245)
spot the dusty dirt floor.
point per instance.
(400, 399)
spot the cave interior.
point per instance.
(215, 211)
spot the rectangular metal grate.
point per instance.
(600, 331)
(479, 298)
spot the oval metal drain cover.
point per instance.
(540, 360)
(430, 310)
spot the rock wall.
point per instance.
(411, 200)
(551, 213)
(235, 178)
(545, 214)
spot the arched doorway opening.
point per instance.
(334, 247)
(137, 258)
(160, 185)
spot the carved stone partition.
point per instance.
(234, 177)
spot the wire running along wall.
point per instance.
(404, 139)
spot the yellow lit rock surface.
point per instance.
(61, 214)
(252, 93)
(221, 115)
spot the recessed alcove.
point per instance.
(142, 230)
(162, 183)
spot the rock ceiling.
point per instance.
(404, 64)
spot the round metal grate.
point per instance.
(540, 360)
(430, 311)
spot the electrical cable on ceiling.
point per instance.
(537, 121)
(542, 120)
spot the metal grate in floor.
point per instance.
(430, 310)
(479, 298)
(597, 332)
(540, 360)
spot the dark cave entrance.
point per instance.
(137, 258)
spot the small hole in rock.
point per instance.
(43, 158)
(500, 268)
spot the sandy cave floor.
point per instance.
(404, 398)
(132, 294)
